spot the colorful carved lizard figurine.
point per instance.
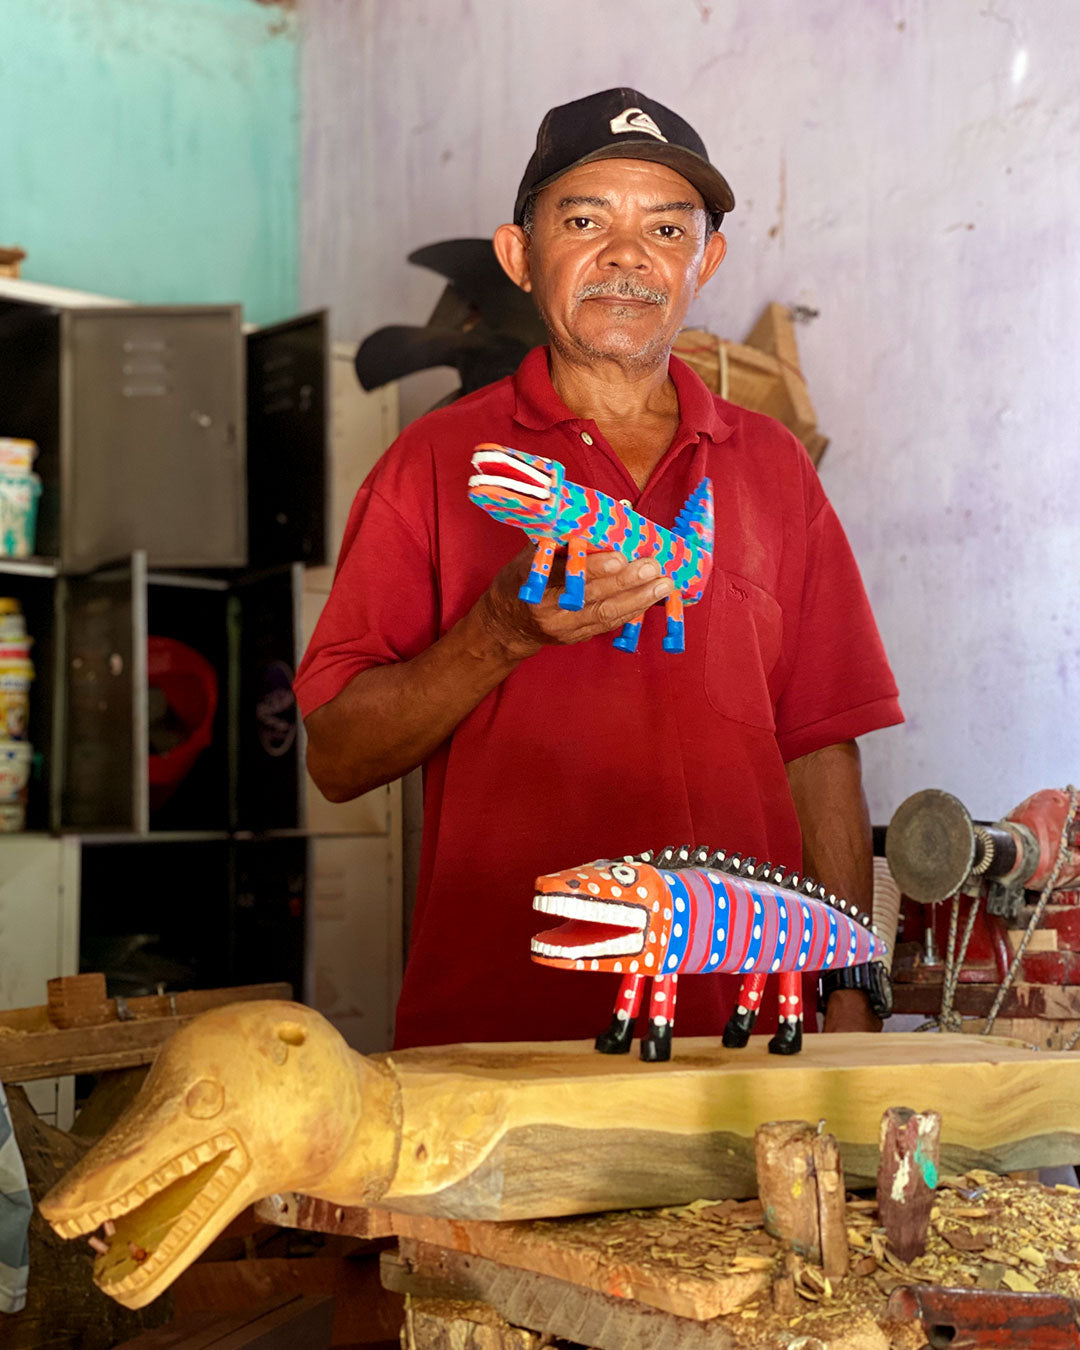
(688, 911)
(533, 493)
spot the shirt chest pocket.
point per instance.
(742, 645)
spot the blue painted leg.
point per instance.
(573, 596)
(533, 590)
(628, 637)
(674, 640)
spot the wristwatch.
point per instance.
(872, 978)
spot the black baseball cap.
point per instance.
(621, 124)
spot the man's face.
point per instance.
(617, 251)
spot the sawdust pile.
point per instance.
(714, 1259)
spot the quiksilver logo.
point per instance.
(635, 119)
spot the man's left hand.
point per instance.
(849, 1010)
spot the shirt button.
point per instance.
(586, 438)
(625, 501)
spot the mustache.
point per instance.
(623, 289)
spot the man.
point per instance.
(542, 745)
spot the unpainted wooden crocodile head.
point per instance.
(244, 1101)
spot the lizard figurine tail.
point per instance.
(533, 493)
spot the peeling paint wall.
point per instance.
(150, 148)
(911, 169)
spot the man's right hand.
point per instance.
(616, 591)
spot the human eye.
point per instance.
(668, 231)
(581, 224)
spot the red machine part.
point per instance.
(1043, 816)
(1027, 846)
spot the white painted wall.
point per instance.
(911, 168)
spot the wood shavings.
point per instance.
(987, 1233)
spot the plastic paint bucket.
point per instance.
(19, 495)
(15, 760)
(15, 679)
(16, 457)
(12, 623)
(12, 817)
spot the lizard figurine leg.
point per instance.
(573, 596)
(616, 1040)
(674, 639)
(532, 592)
(788, 1038)
(656, 1045)
(628, 635)
(741, 1022)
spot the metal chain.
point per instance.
(1047, 891)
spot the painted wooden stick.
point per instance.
(907, 1177)
(801, 1185)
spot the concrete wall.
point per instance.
(911, 169)
(150, 148)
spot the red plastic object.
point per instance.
(190, 685)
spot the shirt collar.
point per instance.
(538, 406)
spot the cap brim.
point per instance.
(713, 186)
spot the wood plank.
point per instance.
(617, 1254)
(531, 1300)
(292, 1210)
(50, 1052)
(521, 1130)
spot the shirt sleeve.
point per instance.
(839, 685)
(383, 604)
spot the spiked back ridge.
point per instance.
(677, 856)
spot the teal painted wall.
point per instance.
(150, 148)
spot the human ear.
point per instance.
(512, 250)
(713, 256)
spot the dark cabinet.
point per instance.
(138, 414)
(184, 483)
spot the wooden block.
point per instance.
(801, 1185)
(287, 1323)
(1042, 940)
(523, 1130)
(78, 1001)
(907, 1177)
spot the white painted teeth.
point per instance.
(483, 480)
(620, 946)
(597, 911)
(485, 457)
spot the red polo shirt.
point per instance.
(585, 751)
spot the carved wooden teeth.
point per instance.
(809, 886)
